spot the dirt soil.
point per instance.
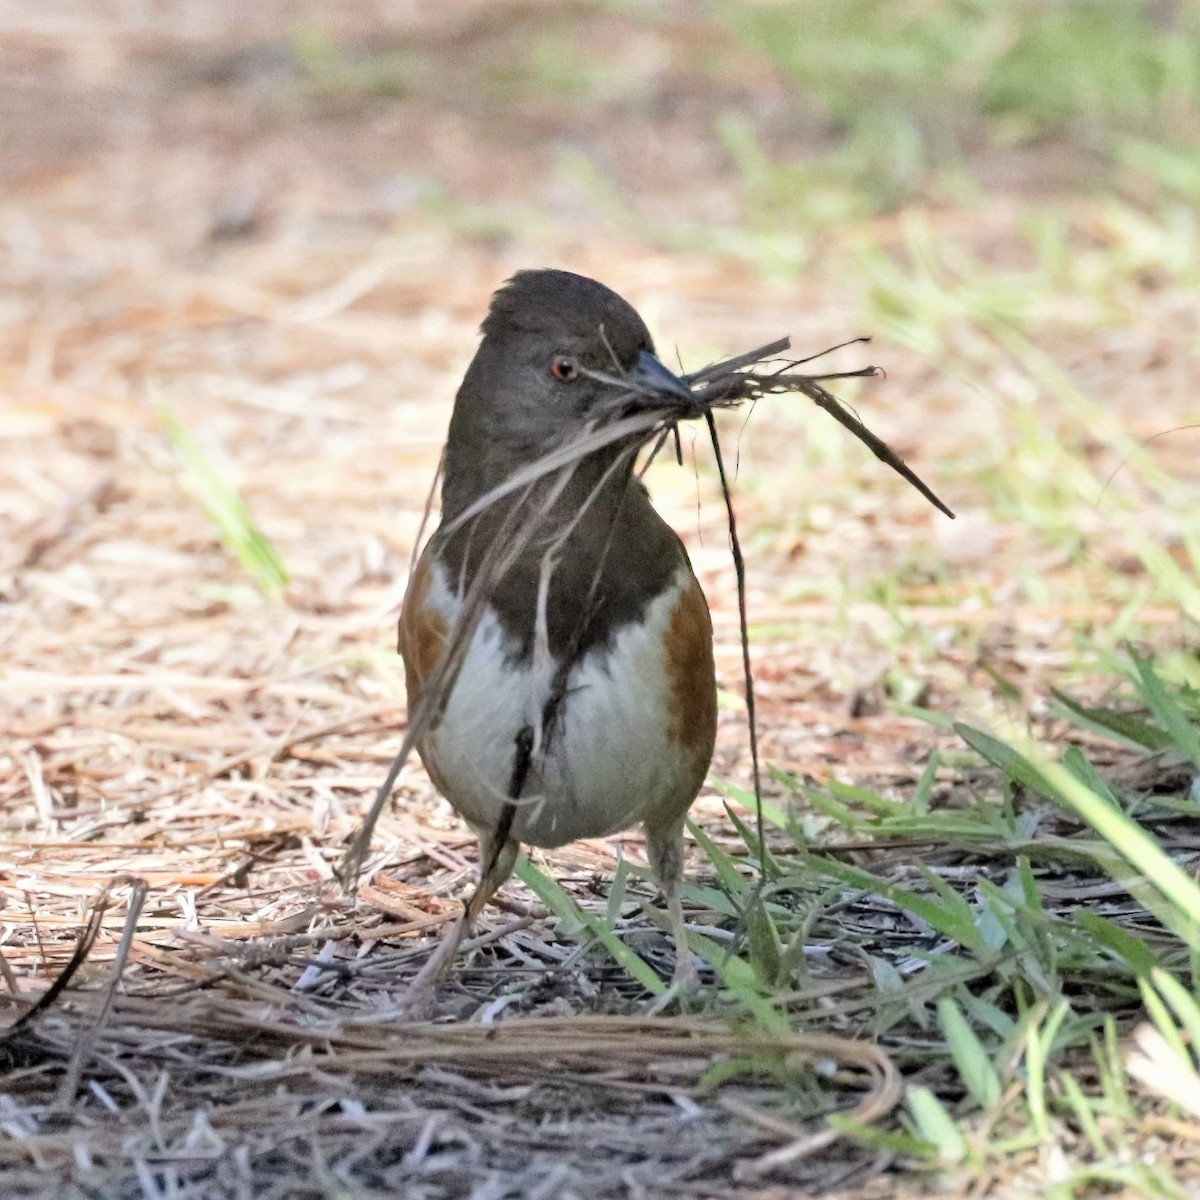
(285, 231)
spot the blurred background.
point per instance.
(244, 252)
(245, 249)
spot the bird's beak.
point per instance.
(652, 381)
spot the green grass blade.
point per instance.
(563, 906)
(956, 922)
(1082, 1107)
(770, 868)
(1111, 936)
(1160, 1015)
(1078, 764)
(936, 1125)
(1183, 1004)
(923, 792)
(1166, 709)
(1128, 728)
(1039, 1044)
(742, 983)
(225, 508)
(825, 803)
(732, 881)
(772, 813)
(766, 946)
(1126, 836)
(974, 1066)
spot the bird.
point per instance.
(583, 698)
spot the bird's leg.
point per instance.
(496, 865)
(665, 850)
(417, 1004)
(497, 857)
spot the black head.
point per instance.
(569, 313)
(529, 387)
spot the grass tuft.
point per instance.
(224, 506)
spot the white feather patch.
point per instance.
(609, 762)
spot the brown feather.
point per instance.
(422, 632)
(692, 692)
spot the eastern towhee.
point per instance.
(585, 699)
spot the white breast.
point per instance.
(609, 762)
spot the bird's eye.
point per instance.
(564, 368)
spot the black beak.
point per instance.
(652, 381)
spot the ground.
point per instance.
(245, 252)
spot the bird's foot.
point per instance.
(685, 984)
(418, 1003)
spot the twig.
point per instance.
(810, 386)
(739, 568)
(83, 947)
(69, 1084)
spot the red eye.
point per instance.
(564, 369)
